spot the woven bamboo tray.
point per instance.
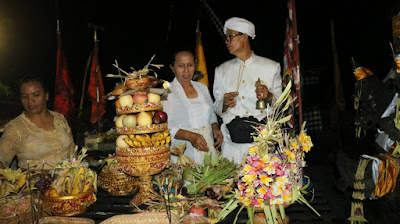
(65, 220)
(142, 218)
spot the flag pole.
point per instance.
(95, 27)
(295, 35)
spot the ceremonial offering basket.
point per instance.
(118, 184)
(142, 218)
(143, 145)
(71, 205)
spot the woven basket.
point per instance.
(142, 218)
(118, 184)
(65, 220)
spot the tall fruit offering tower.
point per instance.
(142, 147)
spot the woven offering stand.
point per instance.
(142, 148)
(116, 182)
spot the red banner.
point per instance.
(64, 91)
(96, 90)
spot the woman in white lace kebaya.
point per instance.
(191, 118)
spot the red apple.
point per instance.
(198, 210)
(163, 116)
(140, 98)
(156, 118)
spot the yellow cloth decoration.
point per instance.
(386, 182)
(361, 73)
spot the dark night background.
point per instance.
(135, 30)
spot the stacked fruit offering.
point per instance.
(143, 143)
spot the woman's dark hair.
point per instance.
(33, 78)
(176, 51)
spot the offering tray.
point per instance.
(136, 108)
(142, 129)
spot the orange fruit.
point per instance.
(117, 104)
(53, 193)
(46, 193)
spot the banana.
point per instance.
(166, 134)
(160, 136)
(147, 138)
(129, 142)
(168, 139)
(140, 138)
(79, 181)
(88, 184)
(157, 143)
(137, 144)
(162, 142)
(154, 138)
(66, 186)
(132, 137)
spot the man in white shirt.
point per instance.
(235, 91)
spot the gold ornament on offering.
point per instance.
(115, 181)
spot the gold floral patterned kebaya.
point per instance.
(34, 145)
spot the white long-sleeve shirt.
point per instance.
(237, 75)
(193, 114)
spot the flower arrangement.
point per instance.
(271, 174)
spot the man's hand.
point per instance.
(263, 93)
(229, 100)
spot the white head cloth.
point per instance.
(240, 25)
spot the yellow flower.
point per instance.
(262, 190)
(276, 189)
(266, 158)
(291, 156)
(265, 180)
(248, 179)
(253, 149)
(287, 197)
(246, 201)
(276, 201)
(294, 144)
(249, 192)
(247, 168)
(282, 180)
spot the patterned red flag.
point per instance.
(291, 64)
(96, 90)
(64, 92)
